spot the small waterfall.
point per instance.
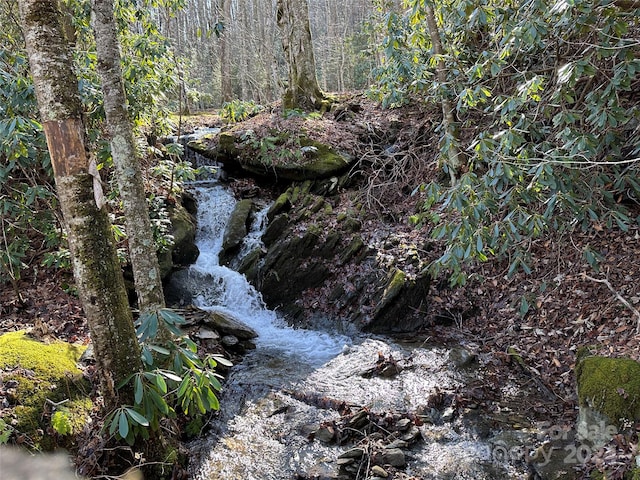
(226, 289)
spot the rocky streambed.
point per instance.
(329, 401)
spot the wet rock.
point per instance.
(228, 325)
(397, 444)
(206, 334)
(394, 457)
(359, 420)
(230, 341)
(412, 435)
(237, 227)
(325, 434)
(447, 414)
(352, 453)
(403, 424)
(378, 471)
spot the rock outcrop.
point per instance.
(315, 262)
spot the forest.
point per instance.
(311, 239)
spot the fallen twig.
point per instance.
(620, 298)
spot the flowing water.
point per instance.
(264, 430)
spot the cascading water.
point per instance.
(229, 291)
(264, 428)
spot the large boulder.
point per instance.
(227, 324)
(284, 156)
(236, 229)
(183, 251)
(608, 396)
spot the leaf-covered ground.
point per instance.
(543, 317)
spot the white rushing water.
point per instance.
(229, 291)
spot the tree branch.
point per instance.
(620, 298)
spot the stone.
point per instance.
(397, 444)
(236, 228)
(460, 357)
(403, 424)
(412, 435)
(378, 471)
(352, 453)
(206, 334)
(230, 341)
(324, 434)
(282, 204)
(226, 324)
(394, 457)
(608, 396)
(447, 414)
(183, 228)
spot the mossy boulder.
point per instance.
(183, 251)
(608, 395)
(282, 155)
(37, 372)
(237, 228)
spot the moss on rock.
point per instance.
(610, 386)
(42, 372)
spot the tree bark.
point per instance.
(95, 264)
(226, 88)
(302, 91)
(453, 160)
(142, 250)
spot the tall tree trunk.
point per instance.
(453, 160)
(302, 91)
(226, 87)
(95, 264)
(142, 251)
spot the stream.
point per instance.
(319, 404)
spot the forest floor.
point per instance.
(569, 304)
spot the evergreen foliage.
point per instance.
(548, 115)
(175, 380)
(27, 199)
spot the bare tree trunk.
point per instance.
(95, 264)
(142, 251)
(226, 88)
(454, 156)
(303, 90)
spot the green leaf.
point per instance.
(524, 306)
(138, 390)
(171, 376)
(171, 318)
(114, 422)
(123, 425)
(137, 417)
(159, 349)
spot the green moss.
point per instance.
(395, 285)
(610, 386)
(43, 371)
(282, 204)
